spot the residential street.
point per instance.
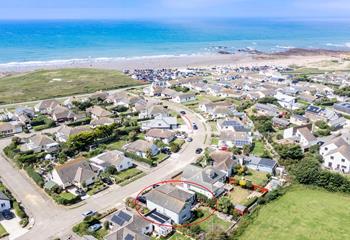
(53, 221)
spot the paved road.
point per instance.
(53, 221)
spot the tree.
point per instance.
(225, 205)
(111, 170)
(247, 149)
(132, 135)
(174, 147)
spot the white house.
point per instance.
(141, 147)
(184, 97)
(112, 158)
(286, 101)
(164, 135)
(336, 155)
(160, 122)
(300, 134)
(5, 203)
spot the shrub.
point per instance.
(38, 179)
(19, 210)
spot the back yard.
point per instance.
(303, 213)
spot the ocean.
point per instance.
(62, 40)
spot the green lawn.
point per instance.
(259, 148)
(127, 174)
(238, 195)
(159, 157)
(257, 177)
(303, 213)
(214, 141)
(3, 232)
(116, 145)
(178, 236)
(67, 195)
(44, 84)
(213, 223)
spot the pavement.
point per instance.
(52, 221)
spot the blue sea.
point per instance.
(23, 41)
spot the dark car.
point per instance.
(165, 151)
(142, 199)
(183, 112)
(7, 214)
(199, 150)
(107, 181)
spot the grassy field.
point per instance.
(58, 83)
(303, 213)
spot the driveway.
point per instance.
(12, 227)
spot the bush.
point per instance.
(38, 179)
(19, 210)
(140, 159)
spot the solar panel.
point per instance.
(124, 216)
(129, 237)
(116, 219)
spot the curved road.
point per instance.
(52, 220)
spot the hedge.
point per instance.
(140, 159)
(38, 179)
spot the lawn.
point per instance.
(178, 236)
(45, 84)
(303, 213)
(213, 126)
(3, 232)
(160, 157)
(116, 145)
(68, 196)
(257, 177)
(127, 174)
(259, 148)
(214, 141)
(213, 223)
(238, 195)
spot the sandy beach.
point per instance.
(299, 57)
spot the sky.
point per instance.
(172, 9)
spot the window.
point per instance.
(342, 160)
(326, 148)
(330, 164)
(3, 205)
(332, 157)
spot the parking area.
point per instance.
(13, 227)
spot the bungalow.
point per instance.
(286, 101)
(10, 128)
(260, 164)
(300, 134)
(336, 155)
(97, 112)
(46, 106)
(169, 93)
(165, 136)
(223, 161)
(160, 122)
(40, 142)
(184, 97)
(267, 109)
(234, 139)
(299, 120)
(343, 107)
(99, 96)
(125, 225)
(141, 148)
(5, 203)
(231, 125)
(211, 178)
(171, 201)
(153, 91)
(77, 172)
(154, 111)
(112, 158)
(103, 121)
(64, 132)
(62, 114)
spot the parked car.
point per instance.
(7, 214)
(142, 199)
(80, 192)
(89, 213)
(107, 181)
(165, 150)
(194, 126)
(199, 150)
(183, 112)
(95, 227)
(189, 139)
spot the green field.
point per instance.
(45, 84)
(303, 214)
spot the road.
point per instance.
(53, 221)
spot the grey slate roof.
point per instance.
(3, 196)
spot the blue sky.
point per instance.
(140, 9)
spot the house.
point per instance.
(171, 201)
(64, 132)
(298, 120)
(77, 172)
(164, 135)
(39, 143)
(260, 164)
(160, 122)
(5, 203)
(336, 155)
(103, 121)
(286, 101)
(280, 122)
(184, 97)
(154, 111)
(223, 161)
(300, 134)
(169, 93)
(125, 225)
(162, 224)
(343, 107)
(62, 114)
(231, 125)
(46, 106)
(267, 110)
(234, 139)
(141, 148)
(10, 128)
(99, 96)
(112, 158)
(97, 112)
(211, 178)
